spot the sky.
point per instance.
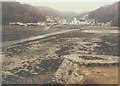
(70, 5)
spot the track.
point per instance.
(5, 44)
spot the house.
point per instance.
(83, 21)
(21, 24)
(41, 23)
(50, 22)
(12, 23)
(91, 21)
(17, 23)
(75, 22)
(32, 24)
(58, 20)
(64, 21)
(108, 23)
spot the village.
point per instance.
(61, 46)
(64, 21)
(60, 50)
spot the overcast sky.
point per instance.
(70, 5)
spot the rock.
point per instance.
(73, 79)
(6, 73)
(67, 73)
(34, 73)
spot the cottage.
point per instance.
(41, 23)
(91, 21)
(75, 22)
(83, 22)
(64, 21)
(108, 23)
(21, 24)
(12, 23)
(50, 22)
(32, 24)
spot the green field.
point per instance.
(11, 33)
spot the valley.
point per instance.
(75, 57)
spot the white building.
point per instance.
(12, 23)
(50, 22)
(84, 21)
(75, 22)
(92, 21)
(41, 23)
(108, 23)
(64, 21)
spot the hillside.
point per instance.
(70, 14)
(14, 12)
(106, 14)
(47, 11)
(83, 15)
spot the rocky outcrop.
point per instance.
(67, 73)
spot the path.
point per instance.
(5, 44)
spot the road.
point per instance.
(5, 44)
